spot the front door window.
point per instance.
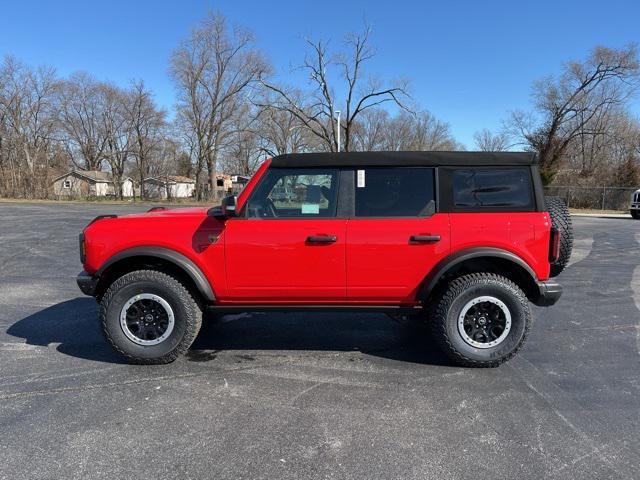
(295, 193)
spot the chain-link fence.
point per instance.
(595, 198)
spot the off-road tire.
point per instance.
(187, 316)
(449, 303)
(561, 220)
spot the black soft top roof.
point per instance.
(376, 159)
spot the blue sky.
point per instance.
(470, 62)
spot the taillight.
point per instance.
(554, 246)
(83, 249)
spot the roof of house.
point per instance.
(95, 175)
(91, 175)
(171, 179)
(180, 179)
(373, 159)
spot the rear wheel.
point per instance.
(149, 317)
(561, 220)
(481, 320)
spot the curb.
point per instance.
(602, 215)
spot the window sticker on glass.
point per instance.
(360, 178)
(310, 208)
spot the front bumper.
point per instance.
(549, 292)
(87, 283)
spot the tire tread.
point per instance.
(194, 318)
(561, 219)
(440, 312)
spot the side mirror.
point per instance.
(228, 206)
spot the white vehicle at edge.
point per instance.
(634, 208)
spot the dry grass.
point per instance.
(175, 203)
(597, 211)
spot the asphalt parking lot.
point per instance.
(293, 396)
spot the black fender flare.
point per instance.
(447, 263)
(179, 260)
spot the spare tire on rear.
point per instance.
(561, 220)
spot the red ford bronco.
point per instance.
(465, 239)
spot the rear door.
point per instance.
(395, 236)
(289, 245)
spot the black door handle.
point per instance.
(424, 238)
(322, 239)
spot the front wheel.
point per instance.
(149, 317)
(635, 214)
(481, 320)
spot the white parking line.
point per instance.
(581, 250)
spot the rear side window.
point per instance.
(492, 188)
(394, 192)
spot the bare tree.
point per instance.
(212, 69)
(119, 132)
(28, 118)
(613, 147)
(149, 128)
(486, 141)
(318, 111)
(371, 132)
(432, 134)
(244, 156)
(567, 104)
(243, 151)
(378, 130)
(422, 131)
(280, 131)
(81, 121)
(166, 160)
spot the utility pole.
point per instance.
(338, 134)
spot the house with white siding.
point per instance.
(90, 183)
(168, 187)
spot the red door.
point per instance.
(387, 259)
(268, 261)
(289, 246)
(395, 236)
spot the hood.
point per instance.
(188, 215)
(159, 212)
